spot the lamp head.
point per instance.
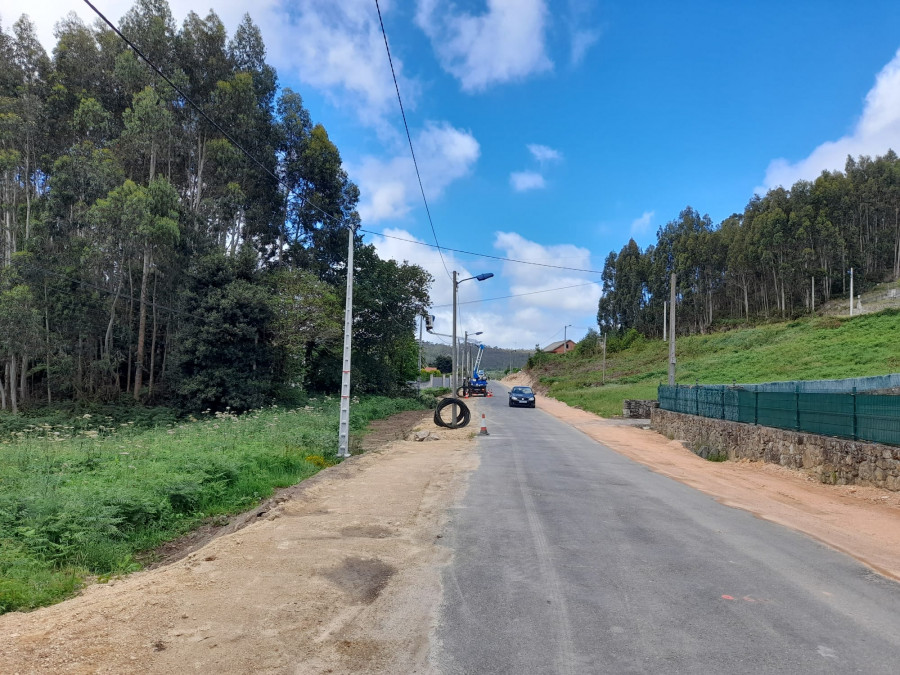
(486, 275)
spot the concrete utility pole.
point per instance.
(565, 338)
(851, 291)
(455, 346)
(672, 330)
(344, 426)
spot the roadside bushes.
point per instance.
(76, 502)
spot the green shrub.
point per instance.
(75, 501)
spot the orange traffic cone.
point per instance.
(484, 431)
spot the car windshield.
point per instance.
(521, 390)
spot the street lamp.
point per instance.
(565, 340)
(466, 348)
(456, 283)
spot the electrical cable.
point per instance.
(409, 138)
(203, 114)
(483, 255)
(306, 201)
(516, 295)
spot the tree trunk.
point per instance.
(13, 401)
(23, 379)
(130, 326)
(896, 243)
(47, 328)
(107, 341)
(162, 369)
(3, 382)
(152, 343)
(142, 325)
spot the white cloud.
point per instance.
(543, 154)
(521, 321)
(581, 35)
(877, 130)
(336, 47)
(582, 41)
(640, 226)
(538, 315)
(503, 44)
(526, 180)
(389, 188)
(401, 246)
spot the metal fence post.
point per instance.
(697, 400)
(855, 426)
(797, 407)
(723, 404)
(756, 406)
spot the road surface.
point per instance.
(569, 558)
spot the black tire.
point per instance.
(463, 416)
(533, 404)
(510, 404)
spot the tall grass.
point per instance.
(807, 349)
(78, 501)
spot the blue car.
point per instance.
(521, 396)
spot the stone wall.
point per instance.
(836, 461)
(637, 408)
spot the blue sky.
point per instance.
(554, 130)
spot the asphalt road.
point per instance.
(569, 558)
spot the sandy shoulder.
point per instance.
(863, 522)
(343, 578)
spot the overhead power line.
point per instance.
(281, 182)
(484, 255)
(517, 295)
(409, 138)
(203, 114)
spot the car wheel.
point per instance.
(510, 404)
(533, 404)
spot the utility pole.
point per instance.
(851, 291)
(565, 338)
(344, 426)
(454, 407)
(419, 374)
(672, 330)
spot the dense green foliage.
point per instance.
(84, 498)
(143, 256)
(809, 348)
(787, 253)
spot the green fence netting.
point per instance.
(870, 417)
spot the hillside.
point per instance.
(806, 349)
(495, 358)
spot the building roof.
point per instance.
(553, 346)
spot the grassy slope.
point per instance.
(76, 501)
(807, 349)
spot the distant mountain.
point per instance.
(495, 358)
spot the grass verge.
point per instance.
(77, 502)
(807, 349)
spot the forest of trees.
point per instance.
(143, 256)
(788, 252)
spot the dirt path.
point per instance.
(863, 522)
(342, 576)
